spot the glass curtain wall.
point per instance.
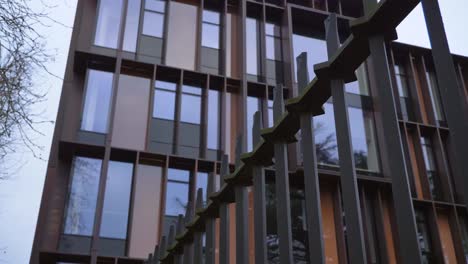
(252, 49)
(210, 41)
(253, 105)
(435, 97)
(132, 23)
(153, 21)
(273, 54)
(164, 100)
(177, 196)
(213, 126)
(431, 168)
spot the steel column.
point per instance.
(408, 244)
(283, 209)
(224, 231)
(311, 179)
(210, 226)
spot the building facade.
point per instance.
(155, 92)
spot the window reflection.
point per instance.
(363, 138)
(131, 25)
(81, 207)
(116, 200)
(430, 165)
(315, 48)
(210, 29)
(97, 101)
(361, 86)
(424, 237)
(271, 119)
(213, 120)
(402, 82)
(252, 46)
(177, 191)
(164, 100)
(108, 24)
(153, 21)
(273, 53)
(191, 104)
(202, 182)
(435, 96)
(325, 137)
(253, 104)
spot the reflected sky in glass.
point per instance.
(316, 50)
(108, 24)
(116, 200)
(97, 101)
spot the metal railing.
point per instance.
(369, 34)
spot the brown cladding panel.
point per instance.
(146, 211)
(329, 231)
(387, 222)
(131, 113)
(446, 238)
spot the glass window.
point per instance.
(213, 120)
(273, 41)
(153, 24)
(435, 96)
(315, 48)
(81, 207)
(271, 119)
(155, 5)
(177, 192)
(164, 100)
(361, 86)
(202, 182)
(431, 169)
(108, 23)
(116, 200)
(97, 101)
(325, 137)
(464, 234)
(252, 107)
(402, 82)
(363, 138)
(210, 29)
(252, 46)
(191, 104)
(131, 25)
(424, 237)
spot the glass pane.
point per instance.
(202, 182)
(164, 104)
(269, 29)
(252, 107)
(211, 17)
(210, 36)
(270, 113)
(153, 24)
(191, 90)
(108, 24)
(435, 97)
(213, 120)
(190, 109)
(363, 139)
(97, 101)
(131, 25)
(361, 86)
(270, 48)
(178, 175)
(424, 237)
(155, 5)
(325, 137)
(81, 205)
(116, 200)
(176, 198)
(252, 46)
(316, 50)
(165, 85)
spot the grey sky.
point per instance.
(20, 196)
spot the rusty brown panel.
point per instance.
(446, 238)
(414, 166)
(329, 230)
(387, 225)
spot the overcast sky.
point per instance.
(20, 196)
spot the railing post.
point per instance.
(210, 226)
(162, 248)
(453, 97)
(171, 238)
(242, 214)
(188, 248)
(259, 197)
(179, 230)
(283, 209)
(155, 255)
(224, 218)
(387, 122)
(351, 204)
(198, 236)
(311, 179)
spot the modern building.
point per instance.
(155, 92)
